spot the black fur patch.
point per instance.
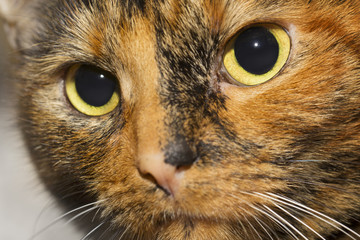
(185, 90)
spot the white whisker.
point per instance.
(319, 161)
(81, 214)
(241, 222)
(276, 221)
(261, 224)
(123, 233)
(63, 216)
(282, 225)
(308, 160)
(308, 210)
(105, 231)
(253, 228)
(319, 184)
(297, 219)
(92, 231)
(97, 212)
(45, 208)
(285, 221)
(115, 235)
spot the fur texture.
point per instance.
(272, 161)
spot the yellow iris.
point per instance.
(280, 50)
(78, 101)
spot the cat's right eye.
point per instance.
(91, 90)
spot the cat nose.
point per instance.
(166, 168)
(165, 176)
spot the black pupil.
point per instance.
(256, 50)
(94, 85)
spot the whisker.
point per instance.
(309, 160)
(117, 233)
(123, 233)
(105, 231)
(318, 161)
(73, 193)
(276, 221)
(282, 225)
(120, 233)
(285, 221)
(310, 211)
(252, 227)
(318, 184)
(81, 214)
(42, 212)
(261, 224)
(97, 212)
(240, 222)
(63, 216)
(49, 204)
(92, 231)
(297, 219)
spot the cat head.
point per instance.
(193, 136)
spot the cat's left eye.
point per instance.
(257, 54)
(91, 90)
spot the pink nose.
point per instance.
(166, 176)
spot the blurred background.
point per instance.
(26, 209)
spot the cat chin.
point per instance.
(188, 228)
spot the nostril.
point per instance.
(152, 179)
(166, 168)
(148, 177)
(166, 177)
(178, 153)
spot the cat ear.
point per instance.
(16, 18)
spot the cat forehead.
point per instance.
(223, 17)
(97, 27)
(92, 30)
(24, 17)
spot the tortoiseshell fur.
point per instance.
(273, 161)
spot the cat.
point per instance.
(229, 119)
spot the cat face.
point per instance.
(198, 133)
